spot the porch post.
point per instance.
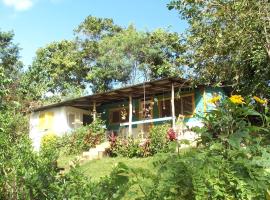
(130, 117)
(94, 111)
(173, 108)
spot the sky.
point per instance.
(37, 23)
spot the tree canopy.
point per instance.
(133, 56)
(228, 41)
(10, 66)
(102, 55)
(57, 68)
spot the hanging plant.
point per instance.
(123, 114)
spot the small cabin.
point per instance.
(129, 111)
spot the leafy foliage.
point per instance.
(160, 140)
(129, 147)
(235, 124)
(10, 70)
(228, 41)
(102, 55)
(9, 54)
(23, 174)
(83, 138)
(56, 69)
(137, 55)
(213, 173)
(49, 140)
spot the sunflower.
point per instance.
(237, 99)
(259, 100)
(214, 100)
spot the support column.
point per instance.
(173, 107)
(94, 111)
(130, 117)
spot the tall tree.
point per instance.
(133, 56)
(57, 68)
(10, 66)
(228, 41)
(104, 55)
(163, 54)
(89, 35)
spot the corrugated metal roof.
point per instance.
(137, 91)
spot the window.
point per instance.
(115, 116)
(87, 119)
(178, 107)
(71, 120)
(46, 120)
(165, 108)
(184, 106)
(119, 115)
(187, 105)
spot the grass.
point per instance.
(100, 168)
(63, 160)
(103, 167)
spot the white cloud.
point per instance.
(19, 5)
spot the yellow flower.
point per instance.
(214, 100)
(48, 139)
(259, 100)
(237, 99)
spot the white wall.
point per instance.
(60, 124)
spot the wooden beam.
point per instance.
(147, 121)
(173, 107)
(130, 116)
(94, 111)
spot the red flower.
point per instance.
(112, 138)
(171, 135)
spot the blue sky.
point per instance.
(39, 22)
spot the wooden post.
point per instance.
(173, 107)
(94, 111)
(130, 116)
(204, 101)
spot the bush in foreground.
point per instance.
(160, 140)
(83, 138)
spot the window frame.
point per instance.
(160, 104)
(72, 126)
(111, 110)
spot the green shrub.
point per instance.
(236, 122)
(75, 185)
(161, 139)
(49, 140)
(158, 139)
(83, 138)
(208, 173)
(125, 147)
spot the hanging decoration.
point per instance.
(133, 108)
(163, 102)
(123, 113)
